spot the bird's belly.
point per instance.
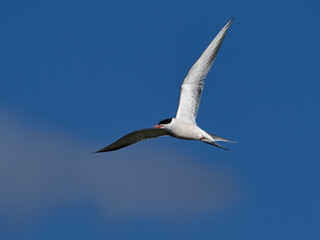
(187, 132)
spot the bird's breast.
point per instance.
(186, 131)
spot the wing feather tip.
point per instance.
(102, 150)
(229, 23)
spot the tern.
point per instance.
(183, 126)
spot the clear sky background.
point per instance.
(77, 75)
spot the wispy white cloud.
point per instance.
(40, 169)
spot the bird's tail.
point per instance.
(220, 139)
(214, 144)
(217, 139)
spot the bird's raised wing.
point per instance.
(133, 138)
(192, 85)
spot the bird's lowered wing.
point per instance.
(192, 85)
(133, 138)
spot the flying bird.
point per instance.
(184, 125)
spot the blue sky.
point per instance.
(76, 75)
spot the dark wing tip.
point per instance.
(103, 150)
(229, 23)
(106, 150)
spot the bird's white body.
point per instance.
(185, 130)
(184, 125)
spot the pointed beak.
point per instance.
(157, 126)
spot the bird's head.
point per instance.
(163, 123)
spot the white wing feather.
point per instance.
(134, 137)
(192, 85)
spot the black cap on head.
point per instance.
(166, 121)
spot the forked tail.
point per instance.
(217, 139)
(220, 139)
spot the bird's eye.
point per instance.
(166, 121)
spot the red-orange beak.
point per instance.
(157, 126)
